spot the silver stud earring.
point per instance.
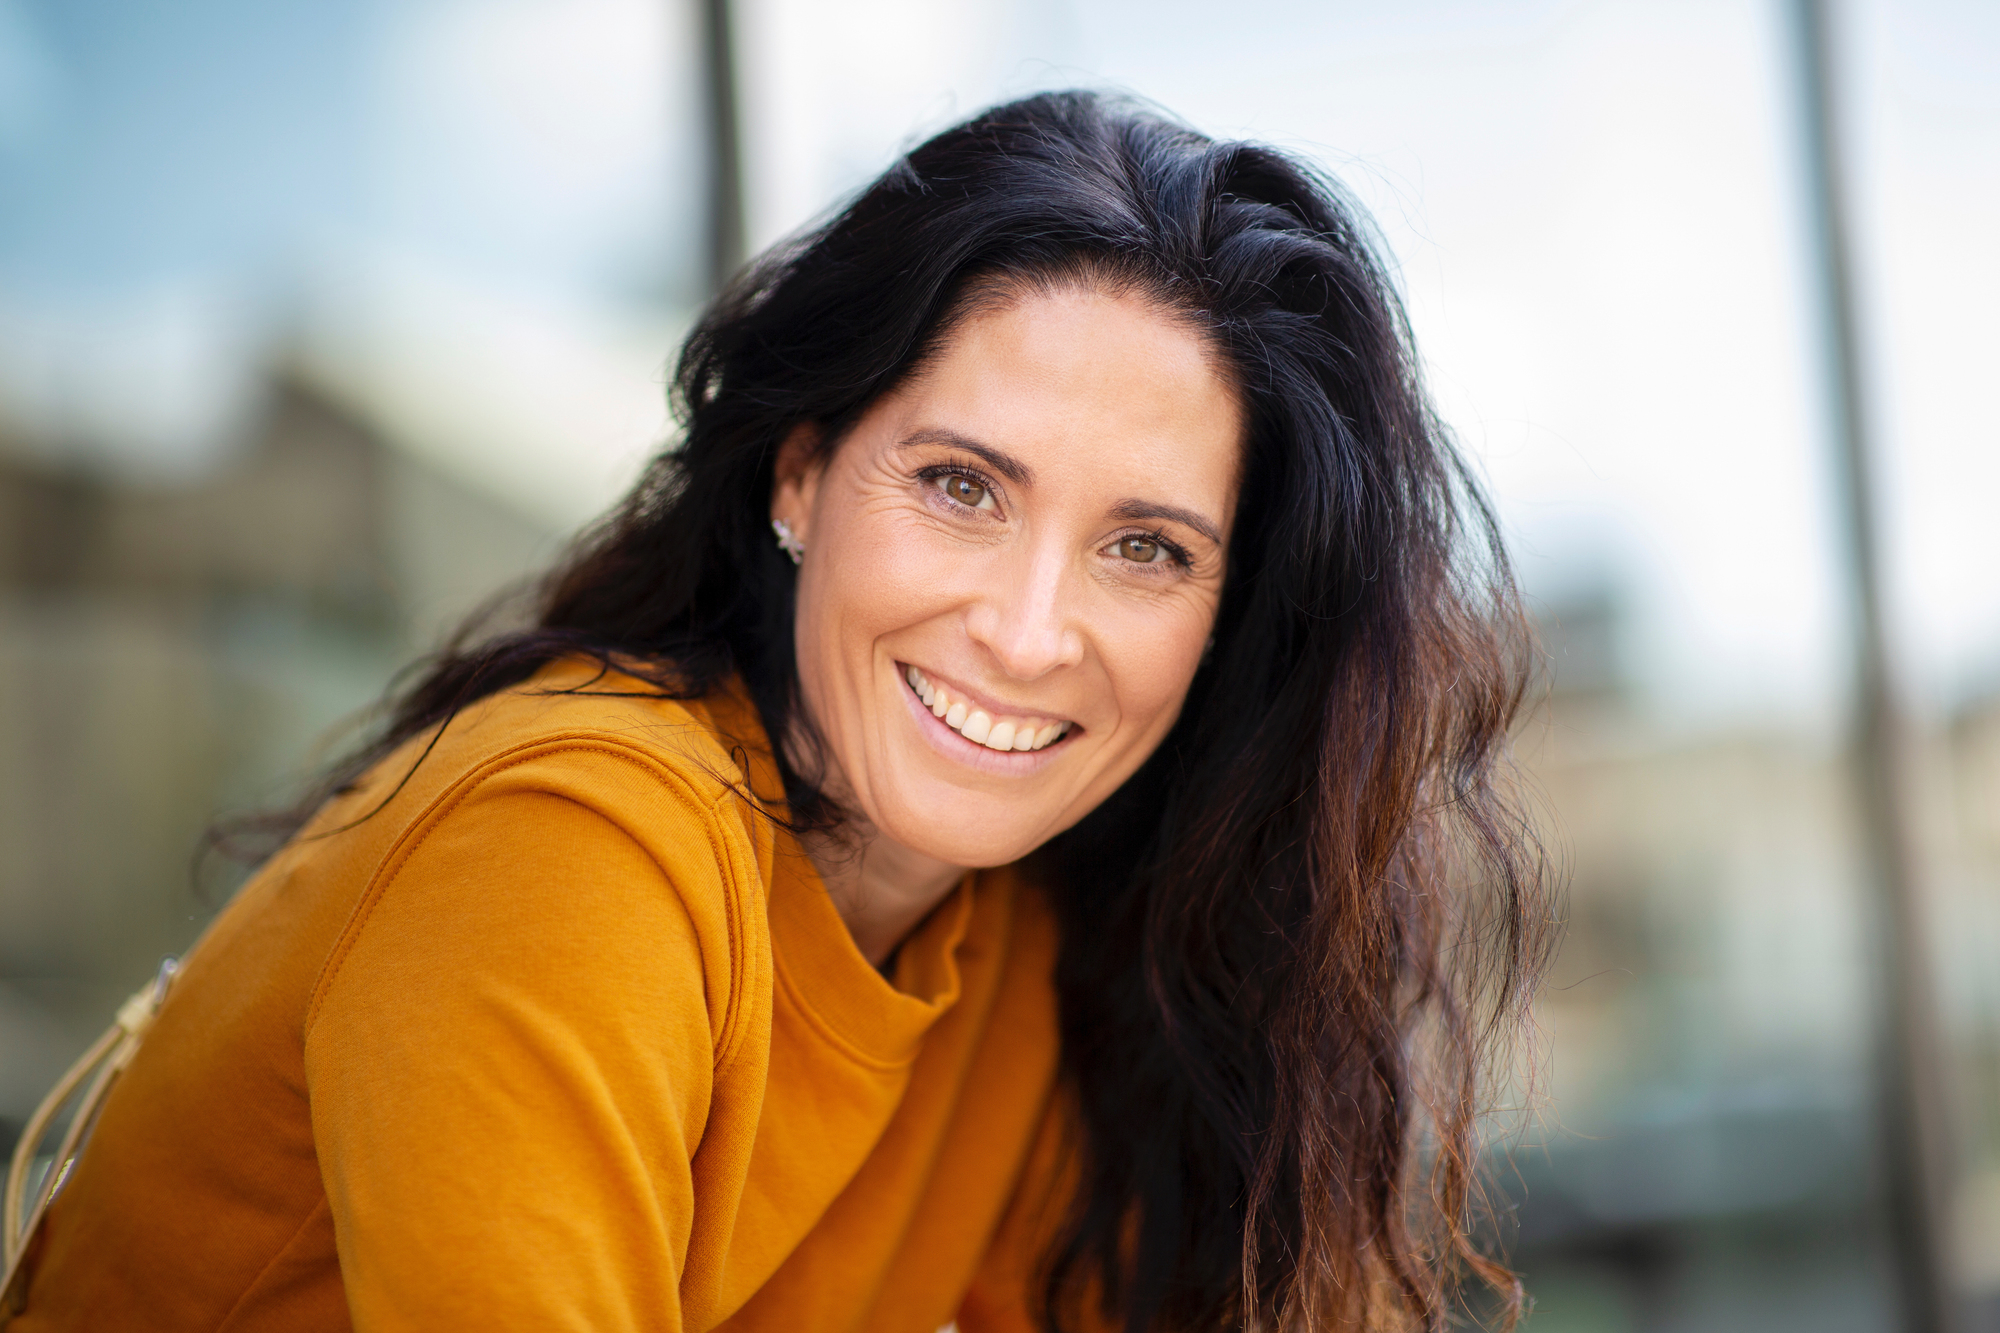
(788, 541)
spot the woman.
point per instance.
(1058, 882)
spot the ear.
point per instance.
(795, 478)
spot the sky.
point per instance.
(482, 216)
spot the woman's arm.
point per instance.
(510, 1068)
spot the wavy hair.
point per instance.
(1293, 941)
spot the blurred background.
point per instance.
(321, 320)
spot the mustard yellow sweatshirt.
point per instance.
(553, 1031)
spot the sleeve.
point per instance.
(509, 1066)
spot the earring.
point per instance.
(788, 541)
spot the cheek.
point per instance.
(1150, 661)
(867, 576)
(1151, 685)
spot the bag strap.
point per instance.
(95, 1073)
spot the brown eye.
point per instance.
(1140, 550)
(970, 493)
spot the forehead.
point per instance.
(1087, 382)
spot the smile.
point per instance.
(981, 727)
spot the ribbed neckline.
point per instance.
(817, 959)
(856, 1006)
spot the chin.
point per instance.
(944, 838)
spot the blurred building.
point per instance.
(172, 653)
(1704, 1159)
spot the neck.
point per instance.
(881, 889)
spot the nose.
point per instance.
(1026, 616)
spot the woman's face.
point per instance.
(1012, 567)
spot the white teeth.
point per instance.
(978, 726)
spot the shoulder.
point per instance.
(581, 806)
(610, 742)
(615, 722)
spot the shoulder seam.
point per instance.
(740, 953)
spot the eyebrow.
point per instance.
(1014, 470)
(1149, 509)
(1008, 466)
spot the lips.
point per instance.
(1004, 732)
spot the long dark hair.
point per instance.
(1293, 939)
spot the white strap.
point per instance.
(95, 1072)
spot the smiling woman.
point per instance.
(1060, 882)
(1021, 532)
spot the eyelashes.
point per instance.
(947, 472)
(937, 472)
(1177, 554)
